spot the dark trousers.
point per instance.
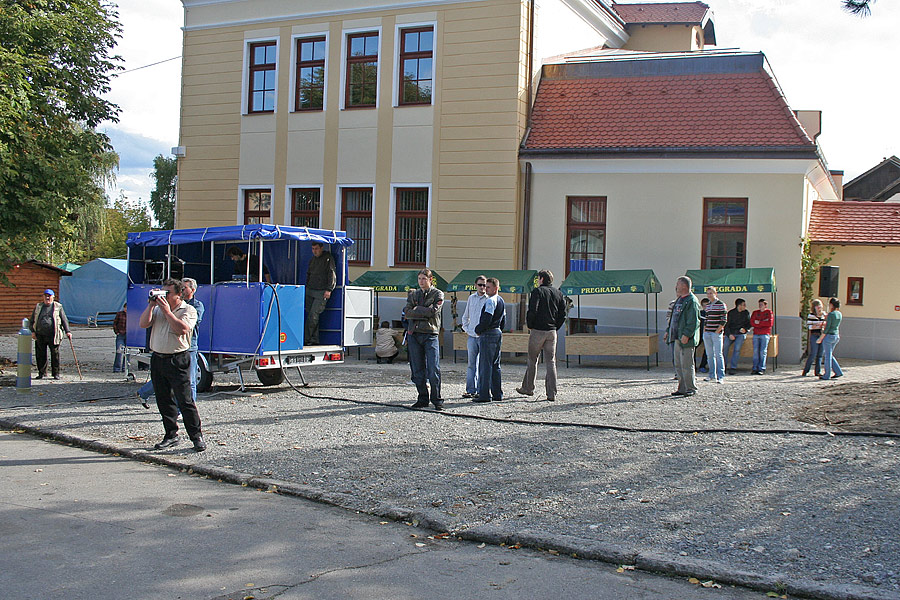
(489, 344)
(171, 378)
(41, 344)
(425, 365)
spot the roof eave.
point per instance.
(804, 152)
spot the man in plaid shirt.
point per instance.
(120, 326)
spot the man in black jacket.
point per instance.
(546, 314)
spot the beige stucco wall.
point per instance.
(464, 145)
(664, 38)
(877, 265)
(655, 219)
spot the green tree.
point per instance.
(55, 65)
(810, 263)
(162, 198)
(122, 217)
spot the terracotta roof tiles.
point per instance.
(705, 110)
(870, 223)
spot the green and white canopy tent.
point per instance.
(396, 281)
(621, 281)
(512, 282)
(759, 280)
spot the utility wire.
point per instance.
(150, 65)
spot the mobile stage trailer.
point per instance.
(248, 322)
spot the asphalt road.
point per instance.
(76, 524)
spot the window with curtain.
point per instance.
(356, 220)
(411, 226)
(724, 233)
(585, 233)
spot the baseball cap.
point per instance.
(49, 292)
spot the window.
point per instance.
(724, 233)
(416, 60)
(362, 69)
(356, 220)
(262, 77)
(257, 206)
(310, 93)
(586, 233)
(305, 208)
(411, 227)
(855, 291)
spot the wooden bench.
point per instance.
(747, 349)
(593, 344)
(513, 341)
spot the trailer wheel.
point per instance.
(204, 377)
(270, 376)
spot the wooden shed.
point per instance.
(30, 279)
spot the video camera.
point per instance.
(154, 294)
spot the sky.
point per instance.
(823, 58)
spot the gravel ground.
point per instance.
(819, 509)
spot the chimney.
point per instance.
(838, 178)
(811, 120)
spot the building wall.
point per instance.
(664, 38)
(463, 146)
(655, 219)
(870, 331)
(17, 303)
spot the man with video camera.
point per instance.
(172, 320)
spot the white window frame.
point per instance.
(289, 200)
(392, 224)
(395, 94)
(295, 58)
(245, 74)
(344, 35)
(339, 203)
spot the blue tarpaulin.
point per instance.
(98, 286)
(236, 232)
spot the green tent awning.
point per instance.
(68, 267)
(396, 281)
(733, 281)
(623, 281)
(513, 282)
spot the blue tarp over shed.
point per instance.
(98, 286)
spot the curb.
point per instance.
(487, 534)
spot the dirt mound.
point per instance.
(857, 407)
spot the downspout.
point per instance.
(529, 94)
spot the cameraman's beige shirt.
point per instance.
(162, 338)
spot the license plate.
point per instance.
(297, 360)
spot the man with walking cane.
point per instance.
(48, 323)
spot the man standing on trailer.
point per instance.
(172, 321)
(245, 264)
(320, 282)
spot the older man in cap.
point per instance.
(48, 324)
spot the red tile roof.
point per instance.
(727, 111)
(870, 223)
(662, 12)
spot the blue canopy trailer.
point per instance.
(250, 323)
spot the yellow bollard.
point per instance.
(23, 374)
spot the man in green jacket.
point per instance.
(48, 324)
(684, 328)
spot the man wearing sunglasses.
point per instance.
(172, 321)
(470, 319)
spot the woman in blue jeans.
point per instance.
(830, 339)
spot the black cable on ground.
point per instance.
(596, 426)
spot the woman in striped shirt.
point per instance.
(815, 322)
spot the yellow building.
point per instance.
(865, 239)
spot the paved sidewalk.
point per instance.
(809, 514)
(80, 525)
